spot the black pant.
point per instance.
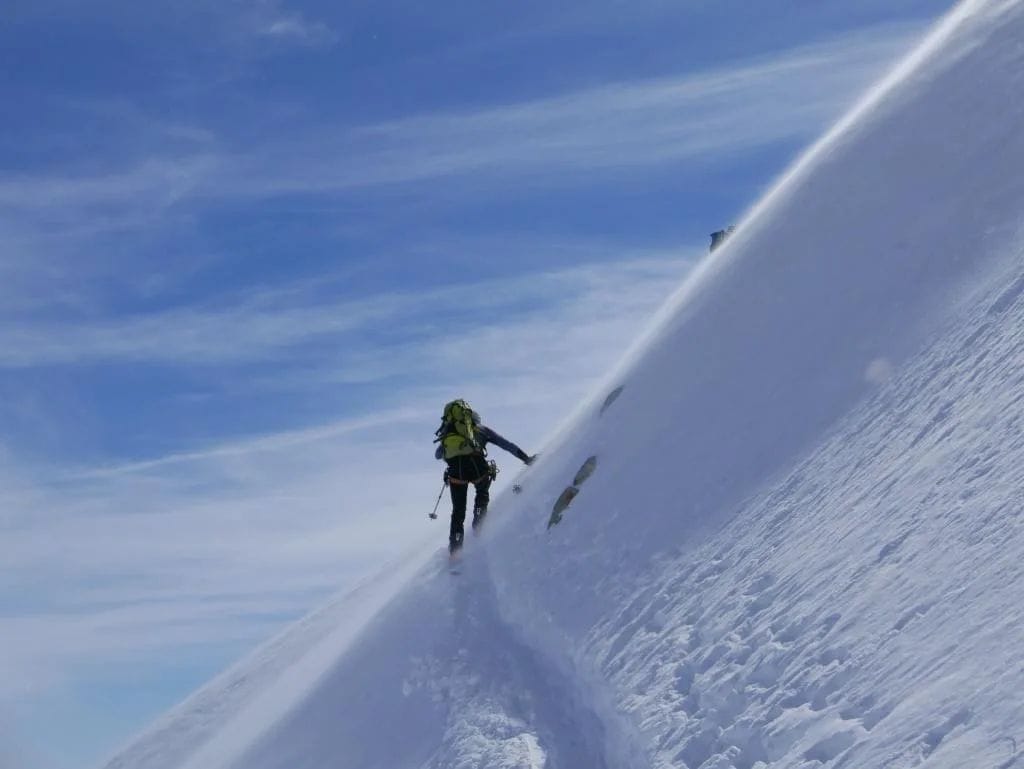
(463, 471)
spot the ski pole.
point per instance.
(433, 514)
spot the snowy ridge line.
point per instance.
(936, 40)
(185, 731)
(304, 673)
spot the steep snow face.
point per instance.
(887, 236)
(793, 538)
(225, 714)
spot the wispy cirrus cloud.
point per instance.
(618, 126)
(233, 26)
(608, 129)
(218, 544)
(276, 324)
(164, 177)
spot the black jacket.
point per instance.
(486, 435)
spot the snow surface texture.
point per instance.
(796, 534)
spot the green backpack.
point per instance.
(457, 433)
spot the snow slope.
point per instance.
(801, 542)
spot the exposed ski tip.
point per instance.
(612, 396)
(585, 471)
(561, 503)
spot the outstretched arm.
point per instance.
(490, 436)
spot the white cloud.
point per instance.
(613, 128)
(294, 28)
(218, 544)
(153, 183)
(274, 325)
(233, 27)
(57, 228)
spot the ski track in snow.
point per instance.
(468, 694)
(508, 709)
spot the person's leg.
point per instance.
(481, 499)
(458, 491)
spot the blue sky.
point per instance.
(249, 249)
